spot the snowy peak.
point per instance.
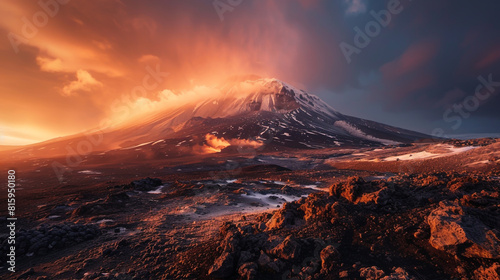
(271, 95)
(263, 95)
(265, 109)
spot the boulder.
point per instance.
(245, 256)
(248, 271)
(350, 189)
(289, 249)
(371, 273)
(380, 197)
(264, 259)
(357, 190)
(223, 266)
(288, 216)
(329, 255)
(231, 242)
(269, 264)
(457, 233)
(316, 208)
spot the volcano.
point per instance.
(248, 112)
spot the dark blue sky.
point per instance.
(419, 71)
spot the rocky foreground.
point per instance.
(438, 226)
(432, 226)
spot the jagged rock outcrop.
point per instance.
(396, 228)
(453, 231)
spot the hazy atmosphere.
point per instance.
(66, 67)
(249, 139)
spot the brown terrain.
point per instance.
(413, 211)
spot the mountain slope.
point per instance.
(246, 112)
(260, 107)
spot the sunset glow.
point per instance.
(59, 72)
(65, 68)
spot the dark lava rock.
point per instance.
(329, 255)
(117, 197)
(245, 256)
(223, 266)
(26, 274)
(44, 239)
(289, 249)
(289, 215)
(488, 273)
(349, 189)
(248, 271)
(147, 184)
(372, 273)
(264, 168)
(356, 190)
(268, 264)
(88, 209)
(414, 224)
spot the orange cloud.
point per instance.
(213, 144)
(109, 54)
(149, 58)
(50, 65)
(84, 82)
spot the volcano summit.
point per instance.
(257, 112)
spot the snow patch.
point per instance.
(272, 200)
(89, 172)
(354, 131)
(105, 221)
(479, 162)
(156, 142)
(427, 155)
(157, 191)
(137, 146)
(419, 155)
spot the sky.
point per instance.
(429, 66)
